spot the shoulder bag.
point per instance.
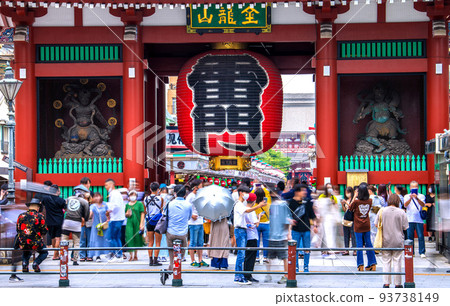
(378, 243)
(423, 213)
(163, 222)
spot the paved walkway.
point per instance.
(430, 272)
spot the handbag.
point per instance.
(105, 224)
(163, 222)
(207, 227)
(378, 243)
(349, 215)
(423, 213)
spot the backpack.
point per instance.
(152, 218)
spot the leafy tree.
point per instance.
(276, 159)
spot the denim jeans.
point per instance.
(303, 241)
(84, 240)
(418, 227)
(114, 232)
(26, 255)
(196, 235)
(263, 230)
(349, 234)
(241, 241)
(362, 238)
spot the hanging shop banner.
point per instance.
(230, 103)
(174, 144)
(229, 18)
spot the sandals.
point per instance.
(371, 268)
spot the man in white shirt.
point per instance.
(414, 202)
(240, 230)
(117, 216)
(195, 223)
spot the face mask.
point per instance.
(234, 188)
(133, 198)
(330, 191)
(124, 197)
(170, 191)
(246, 195)
(430, 190)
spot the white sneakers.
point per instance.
(423, 255)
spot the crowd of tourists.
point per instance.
(262, 216)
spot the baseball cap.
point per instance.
(251, 197)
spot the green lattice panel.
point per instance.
(381, 49)
(78, 53)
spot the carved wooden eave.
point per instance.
(160, 4)
(326, 10)
(23, 15)
(437, 9)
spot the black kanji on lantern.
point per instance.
(227, 98)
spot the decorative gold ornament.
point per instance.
(112, 121)
(101, 86)
(84, 81)
(229, 46)
(57, 104)
(66, 87)
(59, 123)
(111, 103)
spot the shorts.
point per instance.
(196, 235)
(54, 231)
(150, 228)
(280, 254)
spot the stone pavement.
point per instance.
(430, 272)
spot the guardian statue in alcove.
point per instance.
(85, 139)
(383, 131)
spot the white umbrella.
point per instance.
(214, 202)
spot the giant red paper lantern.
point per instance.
(229, 103)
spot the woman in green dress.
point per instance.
(134, 211)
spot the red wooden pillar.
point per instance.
(133, 111)
(161, 135)
(150, 119)
(326, 108)
(437, 106)
(26, 106)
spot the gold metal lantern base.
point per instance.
(217, 163)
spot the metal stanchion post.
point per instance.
(64, 264)
(176, 280)
(409, 264)
(292, 262)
